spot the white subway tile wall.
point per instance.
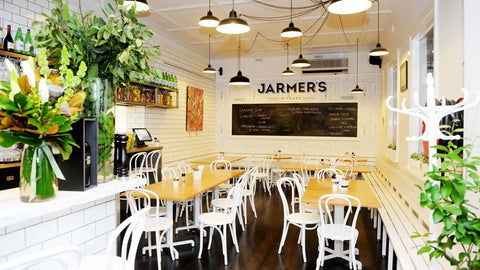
(88, 228)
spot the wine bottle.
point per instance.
(28, 43)
(8, 44)
(175, 82)
(19, 41)
(36, 48)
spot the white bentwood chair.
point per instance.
(133, 227)
(154, 223)
(293, 214)
(151, 165)
(264, 175)
(59, 258)
(338, 230)
(220, 220)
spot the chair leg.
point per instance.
(158, 249)
(284, 235)
(303, 243)
(233, 231)
(186, 216)
(321, 251)
(240, 218)
(200, 248)
(224, 243)
(352, 254)
(252, 203)
(210, 238)
(149, 244)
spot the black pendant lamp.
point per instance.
(343, 7)
(141, 6)
(378, 50)
(357, 90)
(209, 69)
(291, 31)
(287, 71)
(300, 62)
(209, 20)
(233, 24)
(239, 79)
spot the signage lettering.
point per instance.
(300, 87)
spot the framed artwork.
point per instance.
(194, 109)
(404, 76)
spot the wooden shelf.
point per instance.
(9, 165)
(15, 55)
(131, 103)
(156, 86)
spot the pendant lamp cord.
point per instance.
(238, 52)
(287, 54)
(378, 21)
(291, 10)
(209, 49)
(300, 45)
(233, 4)
(357, 61)
(209, 6)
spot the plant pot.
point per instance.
(38, 181)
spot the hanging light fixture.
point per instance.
(344, 7)
(291, 31)
(233, 24)
(300, 62)
(209, 69)
(378, 50)
(209, 20)
(357, 90)
(239, 79)
(287, 71)
(141, 6)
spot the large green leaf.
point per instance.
(8, 139)
(8, 104)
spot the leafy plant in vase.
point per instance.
(113, 48)
(453, 195)
(38, 109)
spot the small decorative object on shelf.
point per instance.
(31, 115)
(147, 94)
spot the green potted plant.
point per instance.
(114, 50)
(452, 195)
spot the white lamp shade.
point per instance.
(141, 6)
(344, 7)
(233, 25)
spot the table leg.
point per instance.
(197, 209)
(170, 232)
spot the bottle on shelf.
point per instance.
(19, 48)
(8, 43)
(175, 82)
(1, 34)
(28, 43)
(36, 48)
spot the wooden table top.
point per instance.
(191, 188)
(356, 188)
(209, 160)
(281, 157)
(298, 167)
(143, 149)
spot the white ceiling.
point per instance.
(179, 18)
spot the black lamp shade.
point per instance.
(378, 51)
(357, 90)
(239, 79)
(288, 72)
(233, 25)
(209, 69)
(301, 62)
(209, 20)
(291, 31)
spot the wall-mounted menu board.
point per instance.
(295, 119)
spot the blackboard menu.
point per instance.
(295, 119)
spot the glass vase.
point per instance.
(100, 97)
(46, 184)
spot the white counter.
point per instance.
(72, 217)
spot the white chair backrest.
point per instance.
(326, 201)
(251, 179)
(153, 158)
(184, 168)
(59, 258)
(235, 194)
(220, 164)
(137, 163)
(289, 186)
(345, 167)
(329, 173)
(134, 226)
(310, 169)
(266, 164)
(168, 173)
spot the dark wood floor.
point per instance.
(259, 244)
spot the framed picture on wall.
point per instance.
(404, 76)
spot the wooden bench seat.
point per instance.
(400, 217)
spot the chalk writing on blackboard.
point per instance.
(296, 119)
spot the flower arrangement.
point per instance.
(38, 109)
